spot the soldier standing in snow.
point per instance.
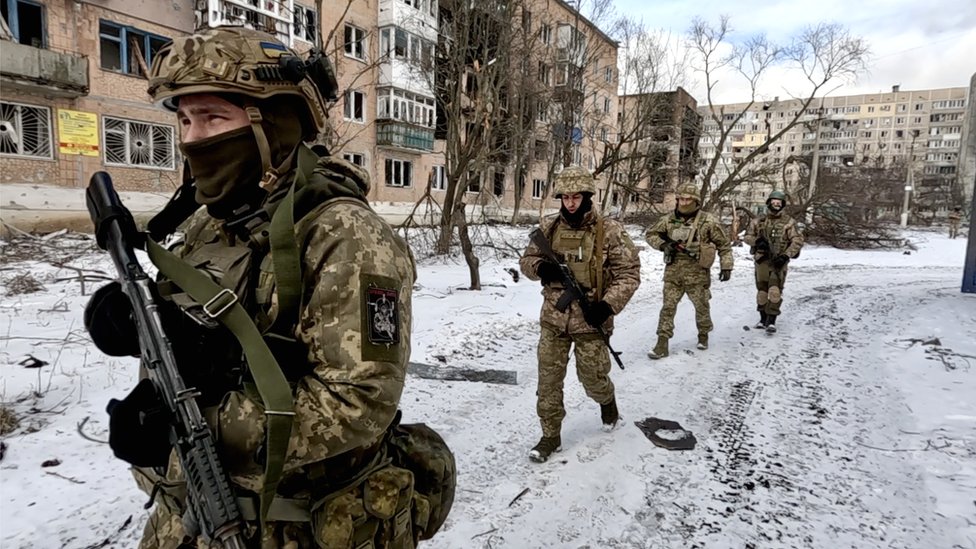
(689, 239)
(332, 305)
(606, 265)
(775, 240)
(955, 218)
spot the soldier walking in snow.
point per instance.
(775, 240)
(605, 263)
(690, 239)
(955, 218)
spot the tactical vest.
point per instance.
(686, 232)
(773, 229)
(582, 251)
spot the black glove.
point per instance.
(549, 272)
(108, 319)
(762, 245)
(597, 313)
(780, 261)
(724, 275)
(139, 427)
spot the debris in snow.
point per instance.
(32, 362)
(448, 373)
(24, 283)
(51, 463)
(8, 421)
(516, 498)
(667, 434)
(514, 273)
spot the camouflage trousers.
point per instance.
(680, 278)
(769, 286)
(592, 369)
(954, 228)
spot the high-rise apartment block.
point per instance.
(920, 129)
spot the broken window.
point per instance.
(26, 21)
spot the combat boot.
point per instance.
(702, 341)
(546, 447)
(761, 325)
(771, 324)
(610, 416)
(660, 350)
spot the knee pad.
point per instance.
(761, 297)
(775, 294)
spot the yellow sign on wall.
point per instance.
(77, 132)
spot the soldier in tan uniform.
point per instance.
(605, 263)
(955, 219)
(330, 291)
(690, 239)
(775, 240)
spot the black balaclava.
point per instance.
(227, 167)
(576, 219)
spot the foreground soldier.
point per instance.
(333, 303)
(775, 240)
(605, 263)
(689, 239)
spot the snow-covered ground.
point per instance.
(852, 427)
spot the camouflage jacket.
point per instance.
(619, 274)
(703, 229)
(779, 230)
(353, 327)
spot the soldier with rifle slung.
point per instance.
(604, 262)
(689, 239)
(279, 325)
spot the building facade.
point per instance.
(919, 129)
(664, 129)
(73, 85)
(73, 93)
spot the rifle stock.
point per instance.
(212, 508)
(571, 288)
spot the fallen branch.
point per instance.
(110, 540)
(70, 479)
(484, 533)
(516, 498)
(81, 431)
(928, 446)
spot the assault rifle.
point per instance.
(571, 288)
(212, 508)
(678, 245)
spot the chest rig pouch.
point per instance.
(773, 230)
(575, 248)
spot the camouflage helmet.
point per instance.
(234, 60)
(776, 195)
(574, 179)
(688, 191)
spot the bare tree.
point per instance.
(824, 54)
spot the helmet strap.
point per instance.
(254, 115)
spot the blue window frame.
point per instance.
(26, 21)
(116, 47)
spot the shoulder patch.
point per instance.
(381, 318)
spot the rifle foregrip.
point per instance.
(104, 206)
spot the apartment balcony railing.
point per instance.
(43, 71)
(403, 135)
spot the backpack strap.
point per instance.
(598, 257)
(222, 304)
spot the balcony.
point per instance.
(402, 135)
(47, 72)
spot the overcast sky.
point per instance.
(919, 44)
